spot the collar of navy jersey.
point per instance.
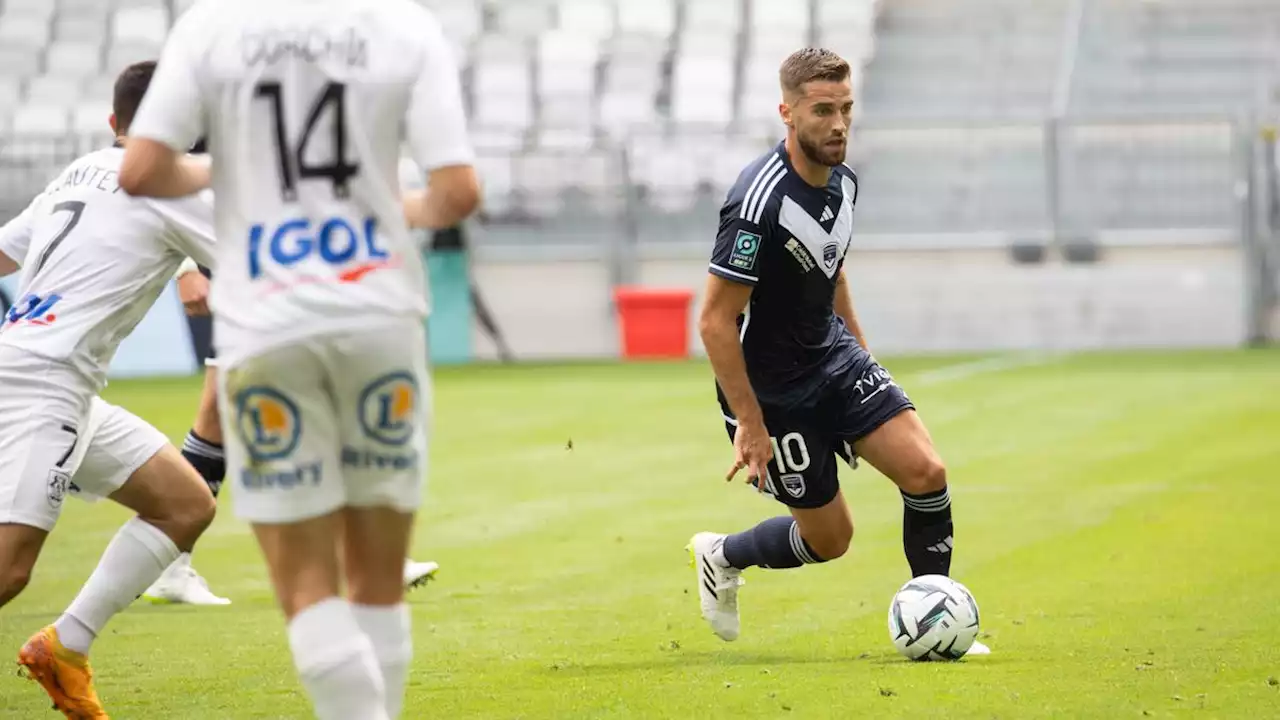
(781, 151)
(834, 181)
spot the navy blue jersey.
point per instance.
(788, 240)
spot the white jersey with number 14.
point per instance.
(305, 104)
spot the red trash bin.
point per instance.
(654, 321)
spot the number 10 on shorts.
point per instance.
(791, 455)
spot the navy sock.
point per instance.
(207, 459)
(927, 532)
(774, 543)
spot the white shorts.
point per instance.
(58, 438)
(338, 420)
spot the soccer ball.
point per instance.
(933, 617)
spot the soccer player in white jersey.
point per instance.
(319, 296)
(93, 262)
(203, 446)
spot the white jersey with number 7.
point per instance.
(305, 104)
(94, 260)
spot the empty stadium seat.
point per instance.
(595, 19)
(502, 85)
(143, 24)
(87, 26)
(53, 90)
(90, 118)
(27, 32)
(75, 58)
(528, 18)
(40, 119)
(40, 10)
(656, 17)
(713, 17)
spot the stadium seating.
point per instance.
(1177, 56)
(673, 96)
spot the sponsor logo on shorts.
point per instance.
(793, 483)
(873, 382)
(268, 422)
(388, 407)
(58, 484)
(284, 479)
(373, 460)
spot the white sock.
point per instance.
(336, 663)
(388, 628)
(74, 635)
(133, 560)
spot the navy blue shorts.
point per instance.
(809, 439)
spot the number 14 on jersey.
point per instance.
(337, 240)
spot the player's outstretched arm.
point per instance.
(844, 308)
(8, 265)
(718, 326)
(452, 194)
(153, 169)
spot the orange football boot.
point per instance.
(64, 674)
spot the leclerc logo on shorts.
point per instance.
(387, 408)
(268, 422)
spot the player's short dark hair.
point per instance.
(130, 87)
(811, 64)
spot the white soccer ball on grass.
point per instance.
(933, 617)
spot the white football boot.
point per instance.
(717, 584)
(180, 584)
(417, 574)
(978, 648)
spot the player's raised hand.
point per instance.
(752, 450)
(193, 291)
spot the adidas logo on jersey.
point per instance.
(827, 214)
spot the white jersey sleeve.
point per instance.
(173, 110)
(190, 223)
(436, 123)
(15, 236)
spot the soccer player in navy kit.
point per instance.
(797, 385)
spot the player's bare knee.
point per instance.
(184, 519)
(14, 578)
(197, 514)
(930, 475)
(832, 547)
(832, 542)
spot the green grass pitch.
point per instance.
(1116, 520)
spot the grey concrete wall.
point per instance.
(916, 301)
